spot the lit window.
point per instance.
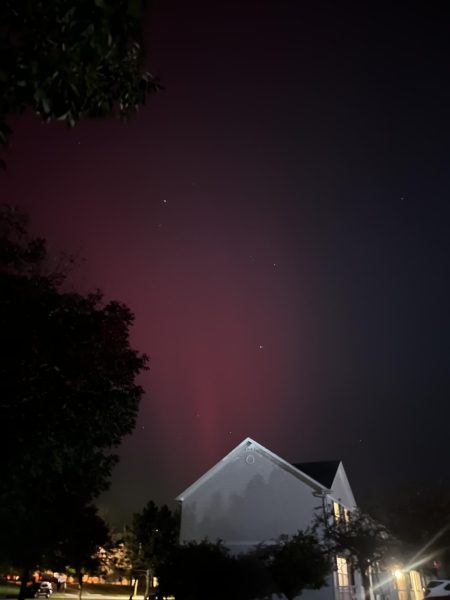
(342, 572)
(337, 511)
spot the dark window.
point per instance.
(447, 587)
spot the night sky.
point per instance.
(279, 221)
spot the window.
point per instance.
(342, 572)
(337, 511)
(416, 582)
(416, 591)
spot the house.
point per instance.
(253, 496)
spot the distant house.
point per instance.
(253, 496)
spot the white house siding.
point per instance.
(249, 500)
(341, 489)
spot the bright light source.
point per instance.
(398, 574)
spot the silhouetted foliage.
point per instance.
(251, 578)
(78, 550)
(201, 571)
(70, 60)
(205, 571)
(152, 537)
(196, 571)
(297, 563)
(67, 395)
(362, 540)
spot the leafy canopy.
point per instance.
(297, 563)
(361, 539)
(152, 536)
(70, 60)
(181, 576)
(68, 394)
(78, 550)
(205, 571)
(289, 566)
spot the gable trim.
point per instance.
(247, 442)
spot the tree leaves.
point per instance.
(68, 393)
(72, 61)
(298, 562)
(153, 535)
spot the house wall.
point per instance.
(341, 488)
(249, 500)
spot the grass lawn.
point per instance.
(106, 589)
(8, 590)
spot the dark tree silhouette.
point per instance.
(78, 548)
(196, 571)
(68, 394)
(362, 540)
(297, 563)
(151, 538)
(205, 571)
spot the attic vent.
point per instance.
(250, 459)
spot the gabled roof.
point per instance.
(323, 471)
(293, 469)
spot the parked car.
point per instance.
(41, 589)
(438, 588)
